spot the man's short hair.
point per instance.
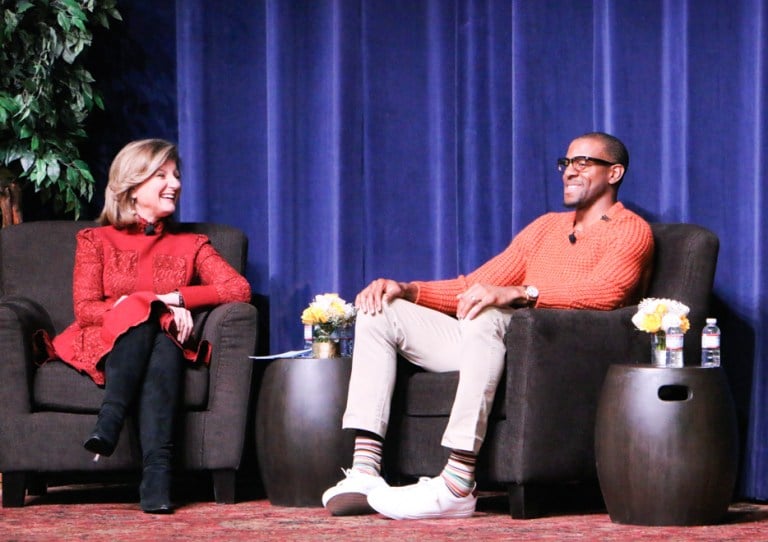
(617, 151)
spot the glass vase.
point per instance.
(659, 349)
(325, 349)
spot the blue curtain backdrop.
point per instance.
(354, 139)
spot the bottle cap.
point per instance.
(711, 320)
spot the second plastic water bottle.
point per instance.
(710, 344)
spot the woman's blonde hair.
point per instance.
(134, 164)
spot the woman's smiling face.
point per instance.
(156, 197)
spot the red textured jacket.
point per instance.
(111, 263)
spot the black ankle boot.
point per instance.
(105, 435)
(155, 490)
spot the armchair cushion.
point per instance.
(58, 387)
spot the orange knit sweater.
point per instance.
(601, 270)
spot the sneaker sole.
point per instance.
(442, 515)
(349, 504)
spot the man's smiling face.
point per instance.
(583, 188)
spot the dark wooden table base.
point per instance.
(666, 445)
(299, 441)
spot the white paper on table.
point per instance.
(284, 355)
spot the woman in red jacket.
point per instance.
(136, 283)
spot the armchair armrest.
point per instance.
(20, 318)
(556, 364)
(232, 330)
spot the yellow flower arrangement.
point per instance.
(658, 314)
(327, 313)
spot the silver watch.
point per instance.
(532, 293)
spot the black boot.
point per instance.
(155, 490)
(158, 403)
(104, 437)
(124, 370)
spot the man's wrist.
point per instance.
(527, 296)
(531, 295)
(409, 290)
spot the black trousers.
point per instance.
(144, 369)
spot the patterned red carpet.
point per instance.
(111, 514)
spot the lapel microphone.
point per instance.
(149, 229)
(572, 235)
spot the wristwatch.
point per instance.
(532, 293)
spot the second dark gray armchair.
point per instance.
(541, 430)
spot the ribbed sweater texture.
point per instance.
(602, 270)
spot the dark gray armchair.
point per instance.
(541, 431)
(47, 410)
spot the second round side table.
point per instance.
(666, 445)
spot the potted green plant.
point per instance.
(46, 95)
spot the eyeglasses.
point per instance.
(580, 163)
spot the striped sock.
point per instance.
(459, 473)
(367, 455)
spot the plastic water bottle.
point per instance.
(675, 347)
(307, 336)
(710, 344)
(346, 340)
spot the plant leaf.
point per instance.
(27, 159)
(47, 94)
(53, 170)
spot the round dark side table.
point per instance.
(300, 445)
(666, 445)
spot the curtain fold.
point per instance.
(674, 111)
(366, 138)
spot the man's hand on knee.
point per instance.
(372, 297)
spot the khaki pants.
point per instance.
(438, 343)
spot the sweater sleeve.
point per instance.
(504, 269)
(219, 282)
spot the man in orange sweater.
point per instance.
(592, 257)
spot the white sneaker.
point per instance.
(429, 499)
(349, 497)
